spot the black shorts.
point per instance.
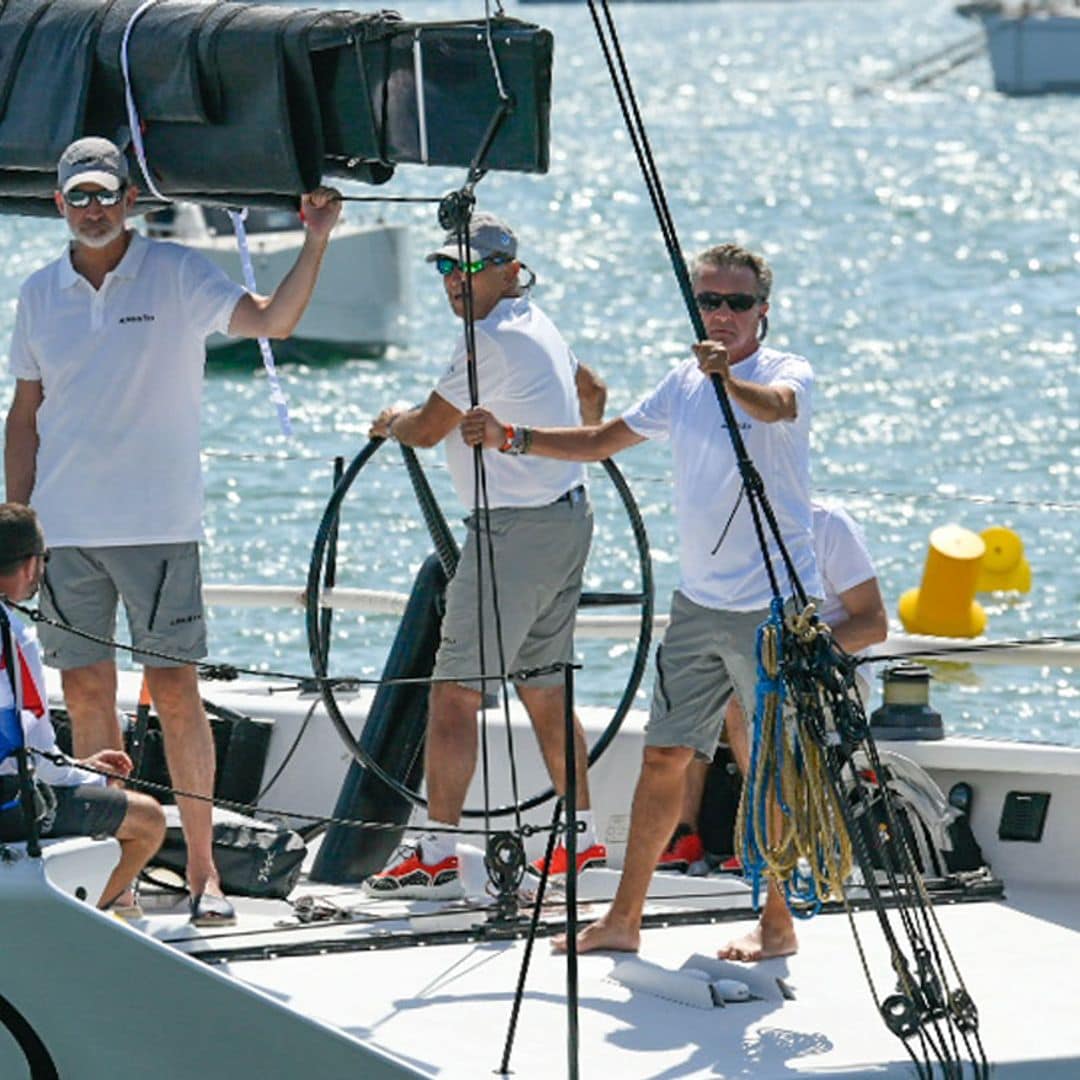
(87, 810)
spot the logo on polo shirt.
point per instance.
(136, 318)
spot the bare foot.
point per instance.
(602, 934)
(762, 943)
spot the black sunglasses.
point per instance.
(736, 301)
(445, 265)
(43, 555)
(79, 198)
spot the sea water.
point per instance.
(926, 247)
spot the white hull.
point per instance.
(329, 1006)
(360, 305)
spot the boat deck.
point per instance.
(443, 1009)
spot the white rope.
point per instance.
(277, 395)
(129, 98)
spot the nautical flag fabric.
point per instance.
(36, 730)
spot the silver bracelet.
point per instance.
(520, 441)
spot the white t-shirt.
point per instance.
(37, 727)
(842, 559)
(684, 409)
(525, 375)
(121, 370)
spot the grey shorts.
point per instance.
(87, 810)
(705, 656)
(540, 553)
(160, 585)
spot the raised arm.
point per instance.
(480, 427)
(20, 447)
(276, 316)
(592, 394)
(765, 403)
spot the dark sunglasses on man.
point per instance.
(445, 265)
(736, 301)
(79, 198)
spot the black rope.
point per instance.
(250, 809)
(210, 672)
(752, 483)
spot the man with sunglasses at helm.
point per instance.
(540, 528)
(103, 438)
(708, 650)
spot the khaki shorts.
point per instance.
(160, 584)
(539, 553)
(705, 656)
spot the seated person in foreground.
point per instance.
(78, 802)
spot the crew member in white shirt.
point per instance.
(855, 612)
(82, 803)
(541, 527)
(724, 593)
(103, 440)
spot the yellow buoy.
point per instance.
(1004, 566)
(944, 604)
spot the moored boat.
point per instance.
(360, 304)
(1034, 47)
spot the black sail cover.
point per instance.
(254, 104)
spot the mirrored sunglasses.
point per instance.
(736, 301)
(445, 265)
(79, 198)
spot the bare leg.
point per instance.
(189, 751)
(693, 791)
(450, 755)
(140, 835)
(546, 707)
(652, 818)
(90, 697)
(774, 934)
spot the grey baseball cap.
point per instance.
(92, 161)
(488, 235)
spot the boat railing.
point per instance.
(625, 627)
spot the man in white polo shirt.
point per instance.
(540, 529)
(103, 440)
(708, 651)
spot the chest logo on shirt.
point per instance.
(135, 318)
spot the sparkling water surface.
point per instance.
(926, 247)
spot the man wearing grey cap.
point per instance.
(103, 440)
(540, 528)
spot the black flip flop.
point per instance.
(210, 910)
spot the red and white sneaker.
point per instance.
(684, 848)
(591, 858)
(407, 877)
(732, 865)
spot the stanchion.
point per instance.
(571, 879)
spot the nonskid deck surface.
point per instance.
(445, 1006)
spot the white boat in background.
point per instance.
(1034, 46)
(360, 304)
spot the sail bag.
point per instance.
(253, 104)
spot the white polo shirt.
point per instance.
(121, 369)
(730, 575)
(842, 559)
(526, 374)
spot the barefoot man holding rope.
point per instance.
(708, 651)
